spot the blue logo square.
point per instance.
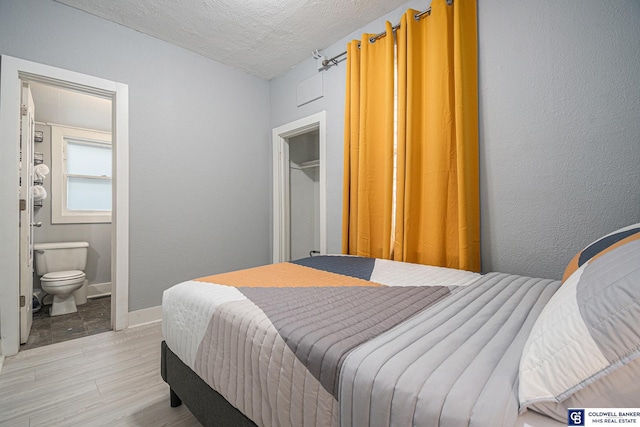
(575, 417)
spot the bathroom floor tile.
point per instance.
(68, 327)
(95, 313)
(43, 324)
(97, 326)
(65, 319)
(69, 335)
(38, 338)
(92, 318)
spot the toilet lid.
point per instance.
(62, 275)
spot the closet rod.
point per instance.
(334, 60)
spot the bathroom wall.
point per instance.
(97, 235)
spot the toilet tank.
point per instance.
(62, 256)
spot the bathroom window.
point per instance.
(81, 176)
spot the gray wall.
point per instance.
(199, 143)
(97, 235)
(559, 127)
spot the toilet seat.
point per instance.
(62, 278)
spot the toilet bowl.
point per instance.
(62, 285)
(61, 267)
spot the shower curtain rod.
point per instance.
(334, 60)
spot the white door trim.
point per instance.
(12, 70)
(318, 121)
(27, 129)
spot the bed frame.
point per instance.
(206, 404)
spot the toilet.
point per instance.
(61, 270)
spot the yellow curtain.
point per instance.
(368, 152)
(437, 196)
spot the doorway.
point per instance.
(13, 71)
(299, 188)
(73, 161)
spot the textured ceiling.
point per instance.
(262, 37)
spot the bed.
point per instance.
(351, 341)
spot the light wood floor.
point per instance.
(110, 379)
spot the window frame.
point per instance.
(59, 212)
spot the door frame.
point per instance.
(281, 221)
(12, 72)
(27, 148)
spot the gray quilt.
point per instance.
(348, 341)
(454, 364)
(321, 325)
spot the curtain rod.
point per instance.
(334, 60)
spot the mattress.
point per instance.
(337, 340)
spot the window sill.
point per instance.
(81, 218)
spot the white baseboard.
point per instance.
(145, 316)
(95, 290)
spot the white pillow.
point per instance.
(584, 349)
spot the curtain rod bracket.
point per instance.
(328, 63)
(321, 62)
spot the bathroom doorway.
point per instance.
(13, 72)
(72, 158)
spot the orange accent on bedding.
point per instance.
(571, 267)
(283, 275)
(573, 264)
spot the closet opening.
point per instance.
(299, 189)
